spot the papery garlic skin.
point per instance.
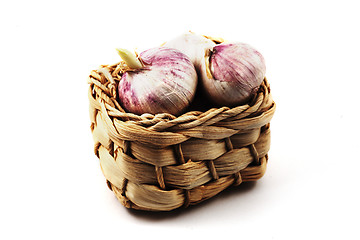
(193, 45)
(166, 84)
(235, 72)
(196, 47)
(230, 73)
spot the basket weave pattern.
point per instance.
(162, 162)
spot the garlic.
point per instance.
(230, 73)
(234, 73)
(194, 46)
(161, 80)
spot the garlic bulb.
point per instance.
(230, 73)
(162, 80)
(234, 73)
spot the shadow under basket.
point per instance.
(162, 162)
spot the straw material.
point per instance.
(162, 162)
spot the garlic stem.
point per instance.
(129, 58)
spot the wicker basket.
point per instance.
(162, 162)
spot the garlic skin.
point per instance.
(234, 73)
(194, 46)
(230, 73)
(165, 84)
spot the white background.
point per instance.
(51, 183)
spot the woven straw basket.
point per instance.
(162, 162)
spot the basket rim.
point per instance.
(103, 84)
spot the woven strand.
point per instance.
(160, 177)
(237, 176)
(179, 154)
(186, 198)
(229, 145)
(254, 153)
(212, 169)
(237, 179)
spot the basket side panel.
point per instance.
(109, 168)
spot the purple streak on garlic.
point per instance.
(230, 73)
(235, 72)
(165, 84)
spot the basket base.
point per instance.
(194, 196)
